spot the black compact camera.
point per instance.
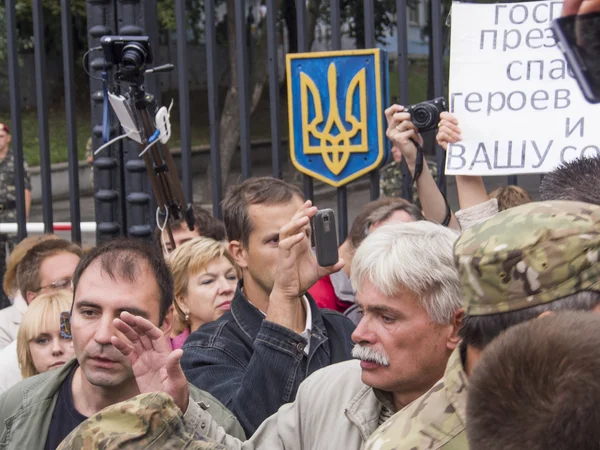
(130, 53)
(426, 115)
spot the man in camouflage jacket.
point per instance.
(523, 262)
(8, 206)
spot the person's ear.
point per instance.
(167, 324)
(455, 324)
(239, 253)
(30, 296)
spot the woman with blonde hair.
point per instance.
(205, 276)
(40, 344)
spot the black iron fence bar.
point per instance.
(275, 107)
(403, 70)
(15, 114)
(140, 209)
(308, 185)
(336, 26)
(108, 182)
(213, 105)
(242, 49)
(42, 113)
(438, 80)
(184, 99)
(369, 18)
(342, 192)
(71, 115)
(513, 180)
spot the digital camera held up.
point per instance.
(426, 115)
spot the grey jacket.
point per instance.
(26, 410)
(332, 410)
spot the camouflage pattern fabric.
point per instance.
(8, 194)
(7, 185)
(436, 420)
(390, 183)
(529, 255)
(148, 421)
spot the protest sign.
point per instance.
(519, 107)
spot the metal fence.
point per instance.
(124, 203)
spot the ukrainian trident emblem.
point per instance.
(336, 109)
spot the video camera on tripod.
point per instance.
(145, 123)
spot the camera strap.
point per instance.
(418, 171)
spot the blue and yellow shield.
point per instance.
(336, 113)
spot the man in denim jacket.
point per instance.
(254, 357)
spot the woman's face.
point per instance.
(49, 350)
(210, 292)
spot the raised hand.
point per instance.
(156, 368)
(297, 267)
(448, 132)
(401, 130)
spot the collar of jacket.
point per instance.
(39, 395)
(249, 318)
(363, 411)
(456, 384)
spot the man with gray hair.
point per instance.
(408, 289)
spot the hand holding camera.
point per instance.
(402, 132)
(449, 132)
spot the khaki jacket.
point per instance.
(436, 420)
(26, 410)
(333, 410)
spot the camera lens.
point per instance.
(133, 57)
(422, 116)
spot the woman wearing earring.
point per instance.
(205, 278)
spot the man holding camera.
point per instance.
(254, 357)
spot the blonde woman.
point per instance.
(40, 346)
(205, 278)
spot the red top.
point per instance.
(324, 295)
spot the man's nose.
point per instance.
(363, 333)
(105, 330)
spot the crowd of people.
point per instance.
(434, 330)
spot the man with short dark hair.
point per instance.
(46, 267)
(523, 262)
(536, 387)
(121, 276)
(205, 225)
(576, 180)
(254, 357)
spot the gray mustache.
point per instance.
(370, 354)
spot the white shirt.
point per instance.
(10, 319)
(10, 374)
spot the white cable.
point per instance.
(148, 148)
(162, 228)
(112, 141)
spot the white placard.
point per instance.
(519, 108)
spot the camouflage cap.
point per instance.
(148, 421)
(529, 255)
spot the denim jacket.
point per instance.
(253, 365)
